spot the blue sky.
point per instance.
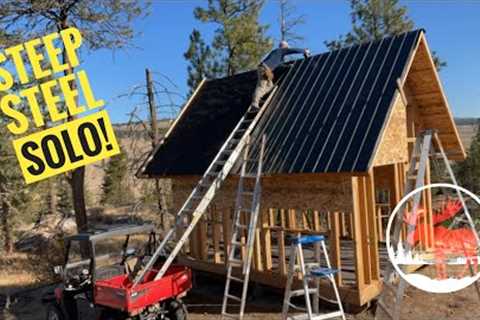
(452, 27)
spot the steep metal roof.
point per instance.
(326, 116)
(330, 110)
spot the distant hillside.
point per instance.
(467, 128)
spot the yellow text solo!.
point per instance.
(52, 98)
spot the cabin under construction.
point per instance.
(339, 131)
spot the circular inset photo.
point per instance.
(436, 225)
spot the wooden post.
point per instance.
(372, 227)
(266, 240)
(380, 224)
(343, 225)
(317, 226)
(292, 219)
(257, 252)
(202, 239)
(363, 210)
(335, 254)
(243, 234)
(428, 209)
(357, 237)
(329, 222)
(216, 229)
(305, 221)
(282, 263)
(227, 235)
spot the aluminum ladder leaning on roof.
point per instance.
(251, 210)
(205, 190)
(424, 145)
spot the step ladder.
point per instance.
(309, 271)
(240, 254)
(205, 190)
(427, 144)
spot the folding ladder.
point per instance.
(205, 190)
(308, 272)
(239, 248)
(424, 147)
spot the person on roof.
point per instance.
(268, 65)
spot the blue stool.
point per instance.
(315, 271)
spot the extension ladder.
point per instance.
(424, 148)
(237, 246)
(205, 190)
(307, 272)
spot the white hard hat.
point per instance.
(283, 44)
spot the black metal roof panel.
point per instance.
(327, 114)
(204, 127)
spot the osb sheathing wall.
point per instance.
(332, 193)
(394, 145)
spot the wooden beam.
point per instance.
(317, 226)
(335, 253)
(365, 226)
(402, 93)
(202, 239)
(216, 234)
(372, 227)
(282, 262)
(227, 235)
(266, 240)
(357, 237)
(257, 252)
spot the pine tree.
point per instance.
(65, 201)
(468, 171)
(375, 19)
(202, 64)
(15, 196)
(239, 41)
(115, 189)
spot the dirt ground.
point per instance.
(204, 302)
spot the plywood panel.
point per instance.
(393, 145)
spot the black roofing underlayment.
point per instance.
(326, 115)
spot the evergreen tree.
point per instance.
(468, 171)
(239, 41)
(202, 64)
(375, 19)
(15, 196)
(103, 24)
(65, 201)
(115, 189)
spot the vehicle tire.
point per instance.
(54, 312)
(177, 310)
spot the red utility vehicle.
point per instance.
(100, 286)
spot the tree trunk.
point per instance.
(7, 236)
(155, 139)
(78, 175)
(78, 195)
